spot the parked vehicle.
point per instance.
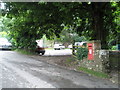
(59, 46)
(77, 44)
(80, 44)
(5, 44)
(39, 48)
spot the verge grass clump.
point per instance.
(72, 61)
(92, 72)
(26, 52)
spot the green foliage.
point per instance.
(65, 37)
(3, 34)
(114, 48)
(82, 53)
(29, 24)
(30, 21)
(68, 35)
(79, 39)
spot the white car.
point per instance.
(5, 44)
(59, 46)
(80, 44)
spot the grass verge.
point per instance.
(26, 52)
(72, 61)
(94, 73)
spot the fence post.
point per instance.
(73, 49)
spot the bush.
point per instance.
(114, 48)
(82, 53)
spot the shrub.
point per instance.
(114, 48)
(82, 53)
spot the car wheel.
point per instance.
(43, 53)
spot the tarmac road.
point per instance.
(21, 71)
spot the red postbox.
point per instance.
(90, 51)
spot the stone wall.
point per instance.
(114, 58)
(104, 61)
(96, 64)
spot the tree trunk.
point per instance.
(99, 32)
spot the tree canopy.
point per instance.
(31, 20)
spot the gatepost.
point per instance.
(97, 58)
(100, 57)
(104, 56)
